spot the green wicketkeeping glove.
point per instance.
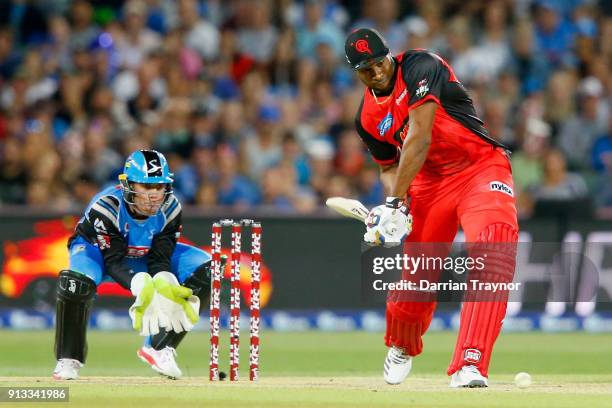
(177, 302)
(143, 312)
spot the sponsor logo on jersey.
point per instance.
(385, 124)
(103, 241)
(134, 251)
(501, 187)
(422, 89)
(401, 97)
(472, 355)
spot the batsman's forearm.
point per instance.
(414, 153)
(387, 177)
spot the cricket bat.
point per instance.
(348, 207)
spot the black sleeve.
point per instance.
(112, 245)
(424, 75)
(382, 152)
(164, 242)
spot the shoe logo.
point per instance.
(472, 355)
(72, 286)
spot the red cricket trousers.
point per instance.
(480, 199)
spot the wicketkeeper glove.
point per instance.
(176, 302)
(144, 312)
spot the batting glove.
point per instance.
(388, 224)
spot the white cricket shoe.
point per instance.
(163, 361)
(67, 369)
(468, 377)
(397, 365)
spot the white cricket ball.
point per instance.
(522, 380)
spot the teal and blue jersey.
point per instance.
(120, 235)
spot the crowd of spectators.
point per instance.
(253, 103)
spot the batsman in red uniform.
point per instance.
(436, 159)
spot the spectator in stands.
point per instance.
(138, 40)
(235, 190)
(558, 183)
(528, 163)
(602, 163)
(199, 34)
(257, 36)
(602, 151)
(217, 86)
(554, 34)
(13, 178)
(530, 65)
(382, 15)
(262, 150)
(315, 29)
(579, 132)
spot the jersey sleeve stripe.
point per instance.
(104, 211)
(110, 208)
(113, 202)
(172, 205)
(175, 212)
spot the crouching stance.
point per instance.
(129, 234)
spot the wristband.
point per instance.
(394, 202)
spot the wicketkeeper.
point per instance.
(129, 234)
(438, 161)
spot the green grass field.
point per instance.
(316, 369)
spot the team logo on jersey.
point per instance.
(422, 89)
(363, 46)
(472, 356)
(99, 225)
(385, 124)
(501, 187)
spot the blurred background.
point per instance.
(253, 104)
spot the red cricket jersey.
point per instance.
(459, 137)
